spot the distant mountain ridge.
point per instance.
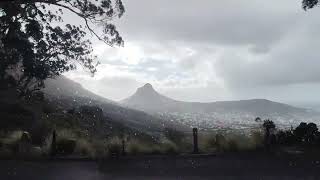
(234, 114)
(148, 99)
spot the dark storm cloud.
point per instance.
(253, 23)
(295, 60)
(214, 50)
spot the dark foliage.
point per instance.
(258, 119)
(33, 48)
(268, 125)
(65, 146)
(220, 140)
(286, 137)
(308, 4)
(304, 134)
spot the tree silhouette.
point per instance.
(285, 137)
(308, 4)
(268, 125)
(281, 137)
(300, 132)
(311, 132)
(257, 119)
(306, 133)
(32, 44)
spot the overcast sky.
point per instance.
(212, 50)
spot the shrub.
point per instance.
(66, 142)
(135, 147)
(100, 147)
(66, 146)
(232, 146)
(25, 137)
(221, 142)
(208, 143)
(243, 142)
(11, 141)
(18, 143)
(46, 146)
(85, 148)
(114, 146)
(174, 135)
(229, 142)
(13, 137)
(168, 147)
(257, 139)
(66, 134)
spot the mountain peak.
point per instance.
(147, 96)
(147, 88)
(148, 85)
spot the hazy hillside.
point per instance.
(69, 94)
(62, 87)
(223, 113)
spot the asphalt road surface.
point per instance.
(249, 166)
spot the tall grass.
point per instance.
(218, 142)
(137, 147)
(168, 147)
(12, 137)
(9, 143)
(92, 147)
(66, 134)
(85, 148)
(164, 146)
(114, 146)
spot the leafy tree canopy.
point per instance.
(308, 4)
(32, 41)
(306, 132)
(268, 124)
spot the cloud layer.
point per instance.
(212, 50)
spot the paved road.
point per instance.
(182, 167)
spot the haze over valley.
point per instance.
(69, 94)
(217, 115)
(148, 110)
